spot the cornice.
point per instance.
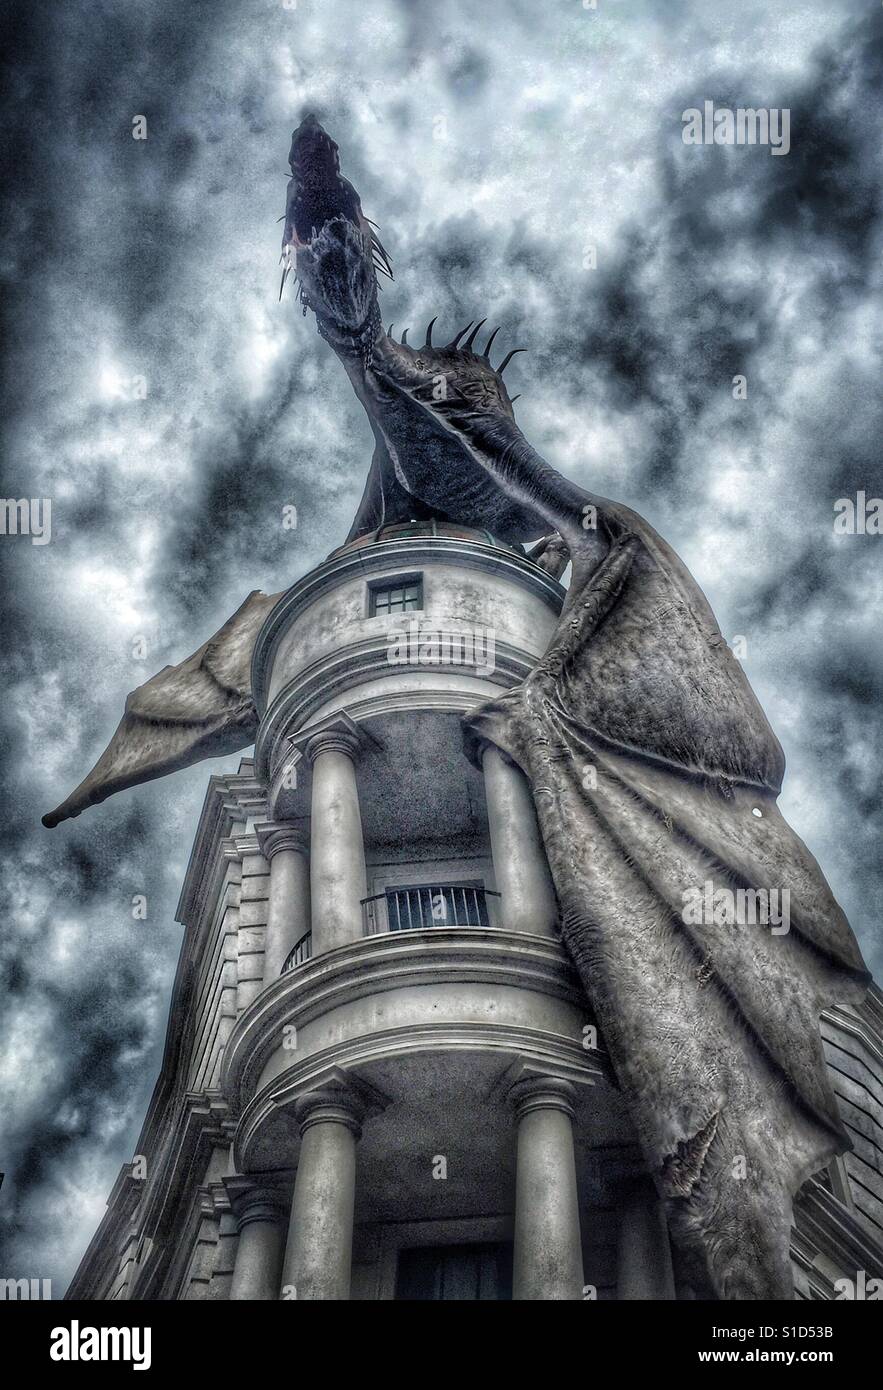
(379, 557)
(395, 960)
(228, 800)
(360, 662)
(199, 1120)
(551, 1055)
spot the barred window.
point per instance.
(398, 598)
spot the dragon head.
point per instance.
(331, 243)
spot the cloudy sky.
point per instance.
(169, 407)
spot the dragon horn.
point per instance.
(405, 336)
(513, 399)
(389, 330)
(471, 339)
(487, 347)
(507, 359)
(428, 342)
(454, 341)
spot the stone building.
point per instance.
(381, 1079)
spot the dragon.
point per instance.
(653, 769)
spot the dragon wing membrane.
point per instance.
(655, 773)
(201, 708)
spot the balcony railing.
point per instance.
(302, 951)
(427, 905)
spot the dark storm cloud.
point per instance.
(819, 205)
(491, 156)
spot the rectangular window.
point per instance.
(390, 600)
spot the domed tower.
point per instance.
(382, 1078)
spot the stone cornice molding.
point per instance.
(198, 1120)
(549, 1054)
(114, 1232)
(407, 552)
(228, 801)
(392, 960)
(234, 848)
(358, 663)
(213, 1199)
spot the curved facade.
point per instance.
(381, 1077)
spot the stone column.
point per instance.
(527, 897)
(644, 1269)
(318, 1257)
(548, 1261)
(338, 878)
(288, 909)
(260, 1214)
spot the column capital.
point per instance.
(256, 1201)
(338, 1097)
(330, 1107)
(542, 1093)
(338, 733)
(274, 836)
(334, 741)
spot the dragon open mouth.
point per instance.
(327, 237)
(320, 194)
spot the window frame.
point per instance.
(390, 584)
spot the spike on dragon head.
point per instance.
(460, 368)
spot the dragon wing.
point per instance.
(201, 708)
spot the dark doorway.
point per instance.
(464, 1272)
